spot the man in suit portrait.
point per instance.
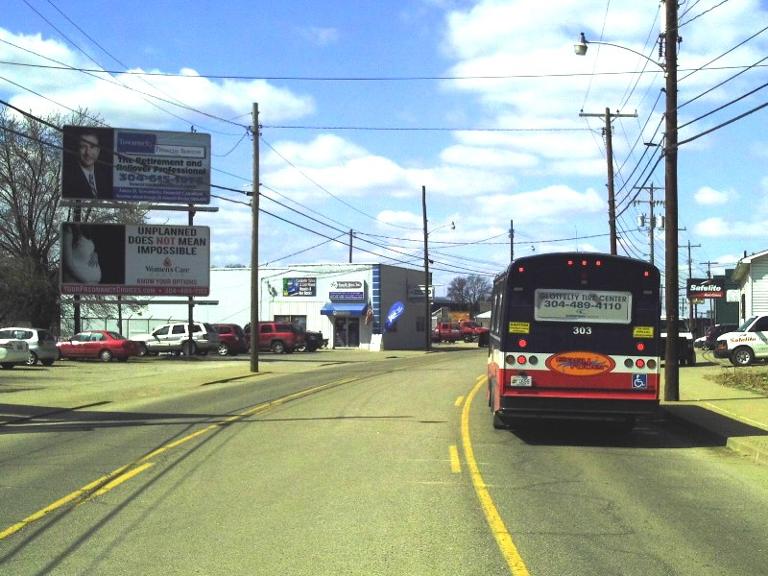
(87, 166)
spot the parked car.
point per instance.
(232, 339)
(280, 337)
(41, 344)
(13, 352)
(713, 332)
(471, 330)
(686, 353)
(174, 338)
(312, 341)
(446, 332)
(101, 344)
(749, 342)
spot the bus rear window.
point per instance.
(561, 305)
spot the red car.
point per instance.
(101, 344)
(232, 339)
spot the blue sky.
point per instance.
(482, 99)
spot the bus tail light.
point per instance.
(509, 359)
(521, 360)
(651, 364)
(522, 342)
(640, 363)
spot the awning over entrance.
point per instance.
(336, 309)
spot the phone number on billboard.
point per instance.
(581, 305)
(163, 179)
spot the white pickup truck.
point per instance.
(745, 344)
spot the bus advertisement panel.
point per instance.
(575, 335)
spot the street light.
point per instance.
(671, 272)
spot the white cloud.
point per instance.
(707, 196)
(552, 203)
(719, 227)
(135, 100)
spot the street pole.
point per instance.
(255, 245)
(651, 219)
(671, 272)
(190, 299)
(350, 246)
(427, 307)
(609, 157)
(511, 240)
(691, 304)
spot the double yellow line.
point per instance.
(105, 483)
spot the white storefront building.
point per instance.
(348, 303)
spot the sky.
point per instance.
(483, 104)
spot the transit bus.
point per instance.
(575, 335)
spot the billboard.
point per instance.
(705, 288)
(143, 259)
(299, 287)
(136, 165)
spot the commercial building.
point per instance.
(370, 306)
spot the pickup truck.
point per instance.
(446, 332)
(745, 344)
(471, 330)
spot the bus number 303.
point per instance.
(582, 330)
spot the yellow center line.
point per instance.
(453, 453)
(109, 481)
(459, 400)
(495, 523)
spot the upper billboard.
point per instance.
(136, 165)
(144, 259)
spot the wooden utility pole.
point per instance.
(651, 217)
(691, 305)
(511, 240)
(427, 307)
(609, 157)
(671, 272)
(350, 245)
(255, 245)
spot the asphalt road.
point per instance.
(389, 467)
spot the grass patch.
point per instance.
(751, 378)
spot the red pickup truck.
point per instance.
(471, 330)
(446, 332)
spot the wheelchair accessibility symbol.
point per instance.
(640, 381)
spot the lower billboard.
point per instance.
(143, 259)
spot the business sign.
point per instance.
(136, 165)
(395, 311)
(347, 291)
(145, 259)
(299, 287)
(698, 288)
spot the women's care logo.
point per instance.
(580, 363)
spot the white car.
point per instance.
(174, 338)
(746, 344)
(13, 352)
(41, 343)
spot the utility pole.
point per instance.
(691, 305)
(255, 244)
(350, 245)
(652, 218)
(511, 240)
(709, 265)
(427, 307)
(609, 156)
(671, 272)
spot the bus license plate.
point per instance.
(521, 381)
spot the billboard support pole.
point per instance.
(77, 325)
(191, 304)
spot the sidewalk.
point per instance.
(738, 417)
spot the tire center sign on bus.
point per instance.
(145, 259)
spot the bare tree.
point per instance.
(31, 215)
(469, 290)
